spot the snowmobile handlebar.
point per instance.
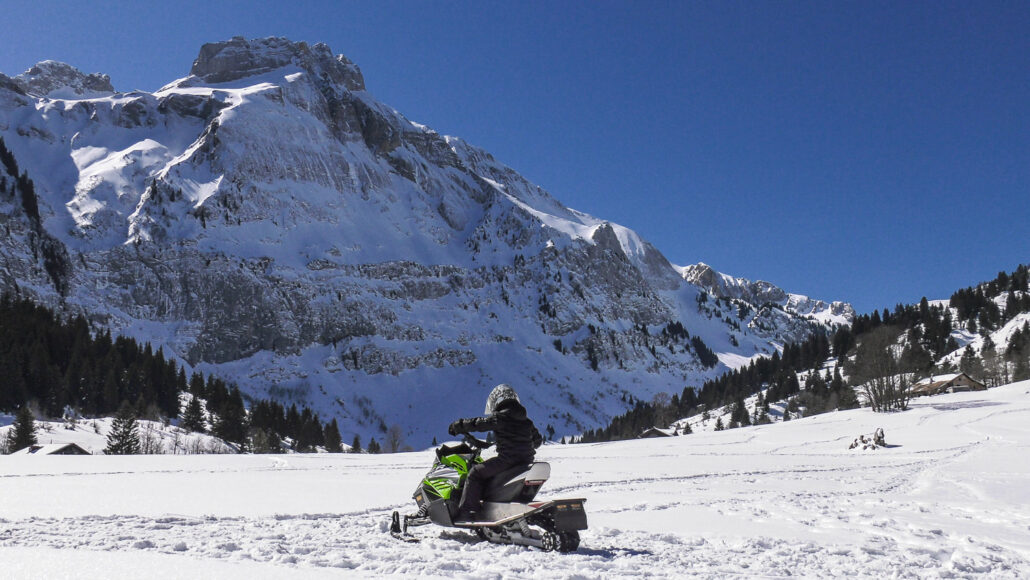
(475, 442)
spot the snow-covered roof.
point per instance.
(938, 379)
(659, 432)
(48, 449)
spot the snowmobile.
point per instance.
(508, 515)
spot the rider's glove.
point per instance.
(456, 427)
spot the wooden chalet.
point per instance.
(946, 384)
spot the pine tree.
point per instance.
(718, 424)
(123, 439)
(193, 417)
(739, 417)
(373, 446)
(333, 441)
(23, 432)
(232, 419)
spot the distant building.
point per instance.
(946, 384)
(53, 449)
(655, 432)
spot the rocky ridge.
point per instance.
(59, 80)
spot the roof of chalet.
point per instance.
(49, 449)
(656, 432)
(938, 379)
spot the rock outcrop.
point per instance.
(62, 81)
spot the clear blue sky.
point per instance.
(869, 152)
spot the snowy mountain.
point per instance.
(268, 220)
(767, 295)
(948, 497)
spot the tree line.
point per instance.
(777, 373)
(880, 353)
(60, 368)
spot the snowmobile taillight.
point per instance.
(536, 504)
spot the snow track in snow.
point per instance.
(359, 543)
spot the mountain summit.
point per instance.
(62, 81)
(221, 62)
(268, 220)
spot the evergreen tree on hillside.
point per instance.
(373, 446)
(192, 418)
(264, 441)
(1018, 353)
(23, 431)
(971, 364)
(232, 419)
(355, 444)
(333, 442)
(123, 439)
(739, 417)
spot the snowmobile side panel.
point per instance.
(440, 513)
(568, 515)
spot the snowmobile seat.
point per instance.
(498, 489)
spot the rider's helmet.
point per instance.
(500, 393)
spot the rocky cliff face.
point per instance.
(266, 219)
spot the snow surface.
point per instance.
(948, 498)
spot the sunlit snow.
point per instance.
(948, 497)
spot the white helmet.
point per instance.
(500, 393)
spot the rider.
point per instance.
(516, 436)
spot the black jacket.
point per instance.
(515, 434)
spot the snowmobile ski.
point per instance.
(400, 533)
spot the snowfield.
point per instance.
(948, 498)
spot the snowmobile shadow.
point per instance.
(463, 537)
(612, 553)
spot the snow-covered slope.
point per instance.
(91, 435)
(948, 498)
(268, 220)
